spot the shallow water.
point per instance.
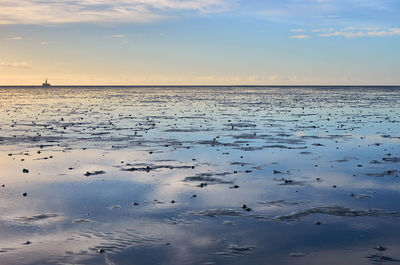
(200, 175)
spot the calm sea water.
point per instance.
(200, 175)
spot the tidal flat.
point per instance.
(199, 175)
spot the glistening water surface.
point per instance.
(199, 175)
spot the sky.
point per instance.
(200, 42)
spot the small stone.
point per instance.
(172, 201)
(101, 251)
(194, 196)
(380, 248)
(135, 204)
(24, 194)
(28, 242)
(318, 223)
(25, 170)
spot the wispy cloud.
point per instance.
(21, 65)
(324, 12)
(300, 37)
(75, 11)
(354, 33)
(297, 30)
(14, 38)
(118, 36)
(347, 32)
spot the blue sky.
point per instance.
(200, 42)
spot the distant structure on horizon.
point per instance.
(45, 84)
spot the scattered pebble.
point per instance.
(380, 248)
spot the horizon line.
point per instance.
(230, 85)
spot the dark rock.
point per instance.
(98, 172)
(201, 185)
(380, 248)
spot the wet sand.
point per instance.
(200, 175)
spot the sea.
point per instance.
(199, 175)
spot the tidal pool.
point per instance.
(199, 175)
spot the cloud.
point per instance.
(14, 38)
(363, 32)
(297, 30)
(340, 13)
(20, 65)
(384, 33)
(300, 37)
(103, 11)
(118, 36)
(347, 34)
